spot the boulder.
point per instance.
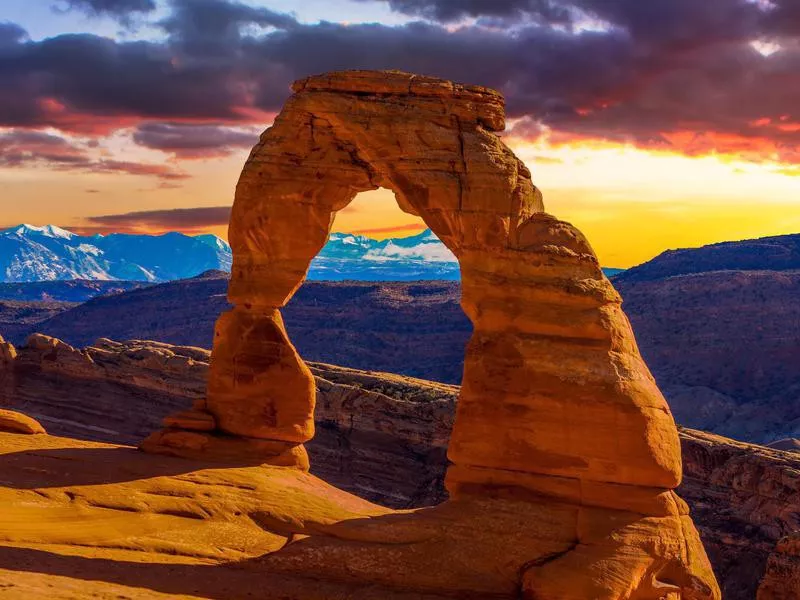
(15, 422)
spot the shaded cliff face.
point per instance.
(744, 499)
(384, 437)
(719, 327)
(417, 329)
(19, 317)
(724, 348)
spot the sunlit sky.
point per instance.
(682, 149)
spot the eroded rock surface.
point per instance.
(782, 581)
(15, 422)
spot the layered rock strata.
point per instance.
(559, 423)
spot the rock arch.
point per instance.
(556, 399)
(553, 381)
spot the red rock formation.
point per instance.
(8, 355)
(745, 498)
(782, 580)
(16, 422)
(556, 400)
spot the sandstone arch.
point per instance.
(555, 400)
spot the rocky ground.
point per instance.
(384, 437)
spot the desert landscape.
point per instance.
(562, 453)
(399, 299)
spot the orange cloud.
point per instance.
(393, 228)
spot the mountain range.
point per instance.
(30, 253)
(49, 253)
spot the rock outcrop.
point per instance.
(12, 421)
(108, 391)
(745, 499)
(564, 452)
(782, 581)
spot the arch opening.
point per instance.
(402, 318)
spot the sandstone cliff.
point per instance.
(384, 438)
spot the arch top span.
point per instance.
(430, 141)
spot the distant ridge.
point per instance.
(30, 253)
(776, 253)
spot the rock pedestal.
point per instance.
(557, 407)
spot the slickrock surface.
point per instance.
(384, 438)
(381, 436)
(110, 515)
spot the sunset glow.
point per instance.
(642, 159)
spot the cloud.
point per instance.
(177, 219)
(194, 141)
(26, 148)
(448, 11)
(118, 9)
(405, 227)
(547, 160)
(627, 71)
(18, 148)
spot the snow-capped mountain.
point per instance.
(49, 253)
(350, 256)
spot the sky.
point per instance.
(649, 125)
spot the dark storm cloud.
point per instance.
(216, 21)
(178, 219)
(193, 141)
(649, 73)
(447, 11)
(49, 82)
(11, 33)
(120, 9)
